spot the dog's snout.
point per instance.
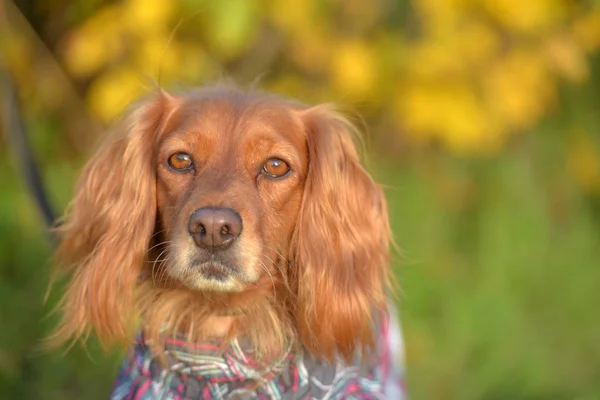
(214, 227)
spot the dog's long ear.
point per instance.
(108, 226)
(341, 263)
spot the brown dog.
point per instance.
(221, 218)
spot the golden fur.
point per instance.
(313, 256)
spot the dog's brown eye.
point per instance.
(181, 161)
(275, 168)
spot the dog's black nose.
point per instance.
(214, 227)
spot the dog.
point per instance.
(235, 235)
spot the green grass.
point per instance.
(500, 280)
(499, 277)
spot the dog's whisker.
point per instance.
(163, 270)
(160, 263)
(276, 265)
(278, 253)
(159, 232)
(166, 242)
(272, 279)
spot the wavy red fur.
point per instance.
(316, 244)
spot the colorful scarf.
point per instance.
(207, 372)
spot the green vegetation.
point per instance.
(492, 167)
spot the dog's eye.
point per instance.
(275, 168)
(181, 162)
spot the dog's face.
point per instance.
(222, 195)
(229, 187)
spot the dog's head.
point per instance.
(228, 199)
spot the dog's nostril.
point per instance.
(214, 227)
(225, 230)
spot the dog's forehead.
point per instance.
(243, 117)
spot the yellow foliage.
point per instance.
(113, 91)
(457, 52)
(187, 62)
(96, 43)
(157, 58)
(231, 26)
(311, 49)
(567, 58)
(429, 60)
(353, 69)
(291, 16)
(17, 52)
(584, 162)
(156, 53)
(364, 14)
(527, 17)
(586, 30)
(416, 107)
(477, 43)
(466, 74)
(519, 89)
(147, 17)
(464, 126)
(449, 112)
(440, 15)
(288, 84)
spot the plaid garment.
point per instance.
(205, 372)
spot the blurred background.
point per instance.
(482, 120)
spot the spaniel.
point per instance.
(238, 239)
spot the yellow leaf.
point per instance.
(151, 53)
(439, 15)
(311, 49)
(477, 43)
(531, 16)
(586, 30)
(464, 127)
(95, 43)
(292, 16)
(519, 89)
(289, 84)
(451, 113)
(190, 62)
(113, 91)
(432, 59)
(362, 14)
(567, 58)
(143, 17)
(457, 51)
(353, 69)
(416, 106)
(232, 26)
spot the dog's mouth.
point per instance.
(214, 273)
(215, 270)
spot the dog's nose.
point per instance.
(214, 227)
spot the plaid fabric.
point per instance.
(205, 372)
